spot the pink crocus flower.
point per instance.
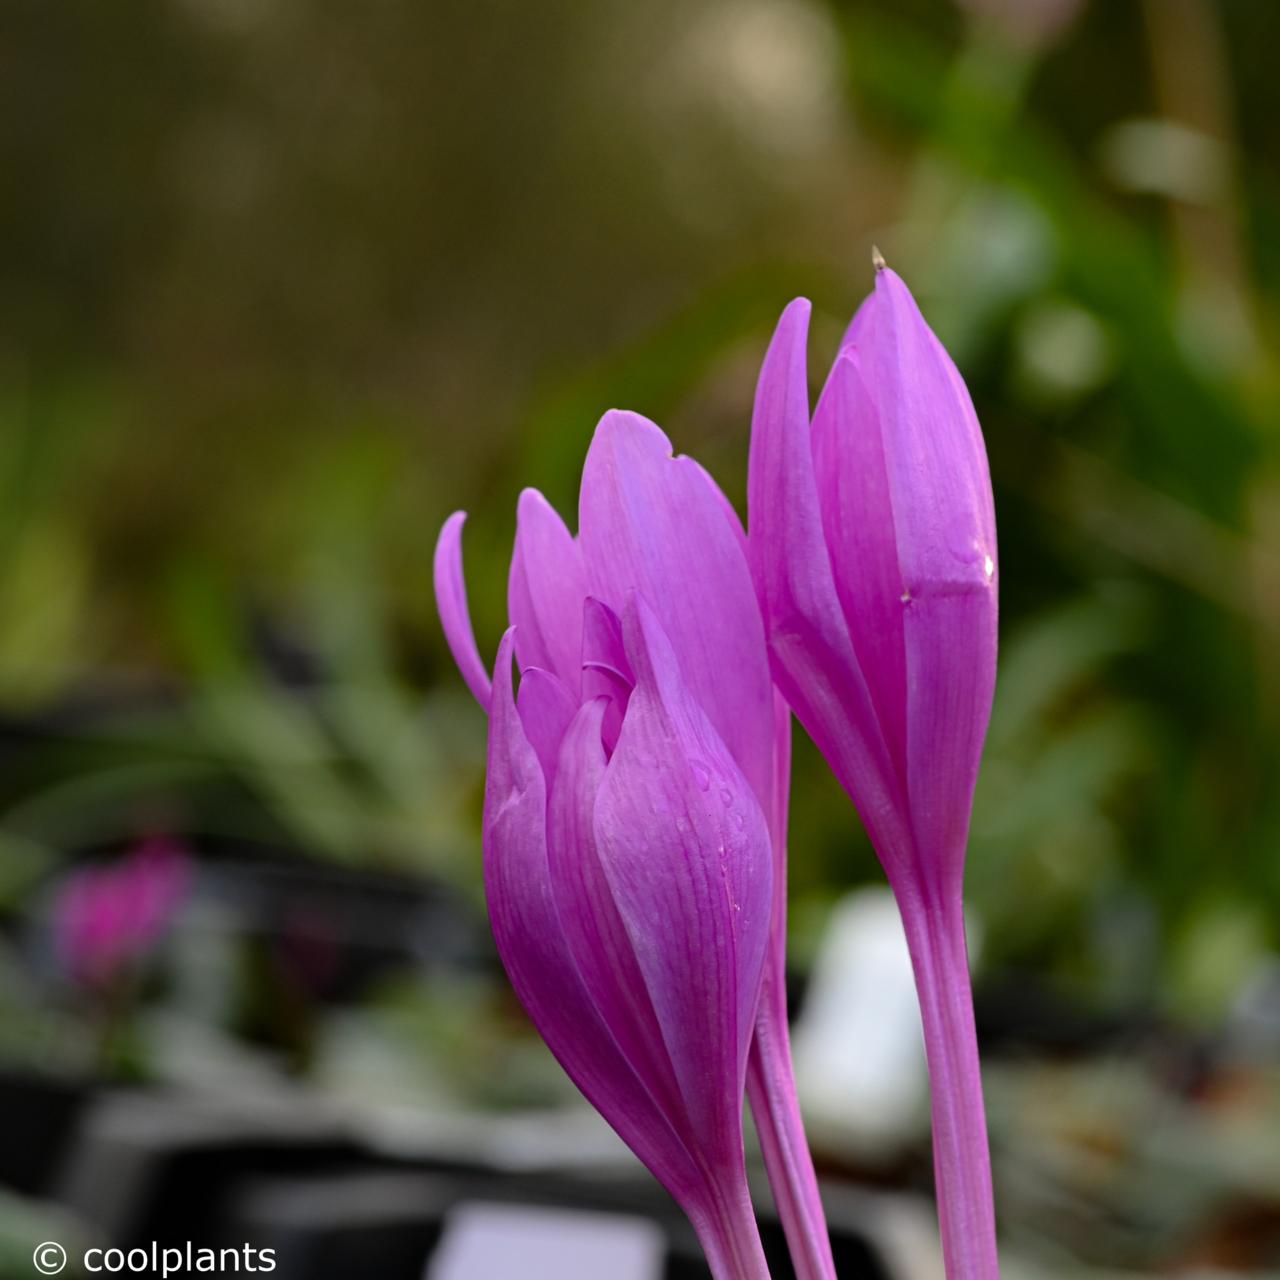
(106, 918)
(635, 823)
(873, 543)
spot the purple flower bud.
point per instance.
(635, 827)
(872, 542)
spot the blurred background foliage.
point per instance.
(284, 282)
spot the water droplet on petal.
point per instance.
(738, 820)
(700, 774)
(963, 544)
(726, 795)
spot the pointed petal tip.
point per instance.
(503, 684)
(890, 284)
(789, 346)
(648, 649)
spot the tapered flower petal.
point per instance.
(916, 437)
(686, 852)
(654, 524)
(545, 590)
(451, 601)
(814, 661)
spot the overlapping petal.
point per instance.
(593, 930)
(686, 852)
(546, 710)
(647, 1011)
(531, 943)
(545, 590)
(814, 662)
(655, 525)
(857, 522)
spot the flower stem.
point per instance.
(961, 1158)
(776, 1110)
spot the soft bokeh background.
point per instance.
(284, 282)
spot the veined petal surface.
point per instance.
(593, 929)
(686, 853)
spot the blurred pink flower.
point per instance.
(106, 918)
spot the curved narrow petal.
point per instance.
(685, 850)
(451, 602)
(545, 591)
(530, 940)
(546, 710)
(656, 524)
(813, 658)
